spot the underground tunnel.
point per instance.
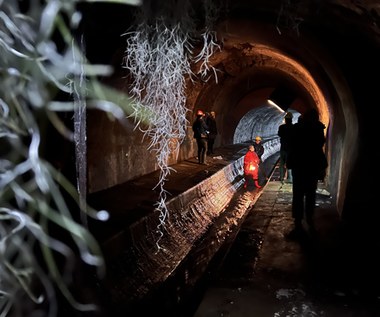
(264, 60)
(268, 58)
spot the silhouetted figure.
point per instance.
(259, 148)
(308, 163)
(213, 131)
(200, 130)
(251, 167)
(285, 131)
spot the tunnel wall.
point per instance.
(199, 220)
(262, 121)
(119, 157)
(118, 151)
(156, 251)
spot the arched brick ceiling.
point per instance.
(285, 42)
(261, 121)
(249, 72)
(319, 50)
(327, 43)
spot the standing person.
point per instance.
(200, 130)
(251, 167)
(259, 148)
(308, 163)
(212, 128)
(285, 131)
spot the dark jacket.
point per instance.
(285, 132)
(199, 128)
(259, 149)
(212, 128)
(306, 153)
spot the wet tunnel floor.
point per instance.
(266, 272)
(271, 273)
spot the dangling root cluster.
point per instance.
(158, 57)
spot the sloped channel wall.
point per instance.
(156, 250)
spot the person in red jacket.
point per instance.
(251, 167)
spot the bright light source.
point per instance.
(273, 104)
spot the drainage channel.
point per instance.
(182, 292)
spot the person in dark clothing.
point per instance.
(200, 130)
(285, 131)
(308, 163)
(259, 148)
(213, 131)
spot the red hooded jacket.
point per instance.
(251, 164)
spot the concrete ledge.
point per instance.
(158, 248)
(200, 221)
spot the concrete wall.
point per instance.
(158, 249)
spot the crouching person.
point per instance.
(251, 167)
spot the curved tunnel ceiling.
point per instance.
(324, 60)
(262, 121)
(261, 54)
(254, 34)
(251, 74)
(256, 60)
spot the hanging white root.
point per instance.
(158, 57)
